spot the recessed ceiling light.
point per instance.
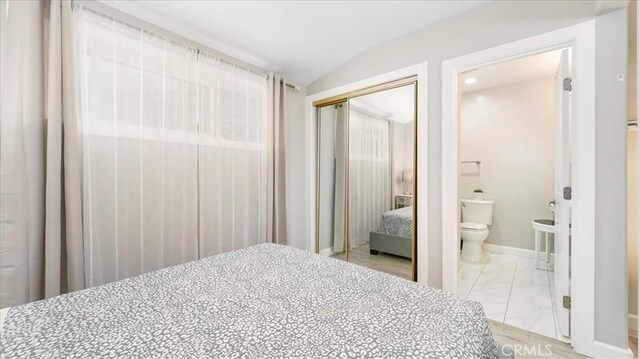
(470, 81)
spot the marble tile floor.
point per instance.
(512, 291)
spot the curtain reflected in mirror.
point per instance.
(369, 173)
(332, 130)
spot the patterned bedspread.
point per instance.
(267, 301)
(398, 222)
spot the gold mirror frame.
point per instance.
(342, 100)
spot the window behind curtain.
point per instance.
(369, 173)
(175, 151)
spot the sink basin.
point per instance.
(546, 225)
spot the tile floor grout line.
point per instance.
(504, 319)
(553, 311)
(475, 281)
(520, 261)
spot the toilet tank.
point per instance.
(477, 211)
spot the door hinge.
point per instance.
(566, 84)
(566, 302)
(566, 193)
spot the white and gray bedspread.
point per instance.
(398, 222)
(267, 301)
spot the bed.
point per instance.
(395, 233)
(267, 301)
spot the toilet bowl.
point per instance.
(477, 215)
(473, 235)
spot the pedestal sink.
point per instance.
(544, 225)
(541, 226)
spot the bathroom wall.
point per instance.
(511, 130)
(402, 156)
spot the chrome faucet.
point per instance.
(552, 205)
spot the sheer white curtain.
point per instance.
(233, 156)
(369, 174)
(175, 151)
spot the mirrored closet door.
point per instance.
(365, 190)
(331, 196)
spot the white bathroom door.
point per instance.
(562, 238)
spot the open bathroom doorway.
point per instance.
(579, 126)
(514, 164)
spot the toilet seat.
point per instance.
(470, 226)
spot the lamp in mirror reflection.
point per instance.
(407, 178)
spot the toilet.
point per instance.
(477, 215)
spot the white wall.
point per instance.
(497, 23)
(511, 130)
(402, 155)
(296, 181)
(409, 134)
(489, 25)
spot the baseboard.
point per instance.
(603, 350)
(327, 252)
(520, 252)
(3, 315)
(633, 326)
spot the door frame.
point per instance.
(580, 39)
(419, 71)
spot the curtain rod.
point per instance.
(290, 85)
(119, 15)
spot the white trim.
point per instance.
(514, 251)
(637, 199)
(603, 350)
(581, 39)
(633, 325)
(3, 315)
(419, 70)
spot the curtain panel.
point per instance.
(22, 163)
(369, 173)
(278, 218)
(41, 238)
(177, 151)
(124, 152)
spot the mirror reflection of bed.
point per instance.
(366, 166)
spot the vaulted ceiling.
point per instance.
(301, 39)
